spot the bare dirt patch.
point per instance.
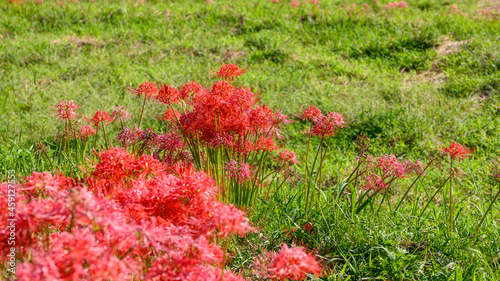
(448, 46)
(231, 56)
(80, 42)
(489, 5)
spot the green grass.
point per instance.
(385, 70)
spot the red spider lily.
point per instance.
(167, 219)
(101, 116)
(86, 131)
(191, 88)
(328, 125)
(170, 115)
(375, 182)
(148, 89)
(287, 156)
(289, 263)
(308, 227)
(168, 95)
(312, 113)
(265, 144)
(117, 165)
(66, 110)
(120, 113)
(229, 72)
(240, 171)
(457, 151)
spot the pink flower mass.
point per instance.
(66, 110)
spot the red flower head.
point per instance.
(170, 115)
(66, 109)
(312, 113)
(86, 131)
(101, 116)
(295, 3)
(229, 72)
(168, 95)
(457, 151)
(328, 125)
(148, 89)
(190, 89)
(289, 263)
(287, 156)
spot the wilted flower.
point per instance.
(120, 113)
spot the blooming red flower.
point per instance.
(147, 89)
(287, 156)
(86, 131)
(375, 182)
(328, 125)
(101, 116)
(457, 151)
(229, 72)
(266, 144)
(66, 109)
(190, 89)
(295, 3)
(289, 263)
(312, 113)
(168, 94)
(170, 115)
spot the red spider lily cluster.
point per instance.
(66, 110)
(147, 209)
(153, 225)
(323, 125)
(157, 206)
(381, 172)
(240, 171)
(457, 151)
(289, 263)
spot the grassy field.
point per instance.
(413, 80)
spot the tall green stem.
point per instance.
(487, 211)
(451, 195)
(142, 111)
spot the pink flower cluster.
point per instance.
(395, 5)
(66, 110)
(381, 172)
(240, 171)
(323, 125)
